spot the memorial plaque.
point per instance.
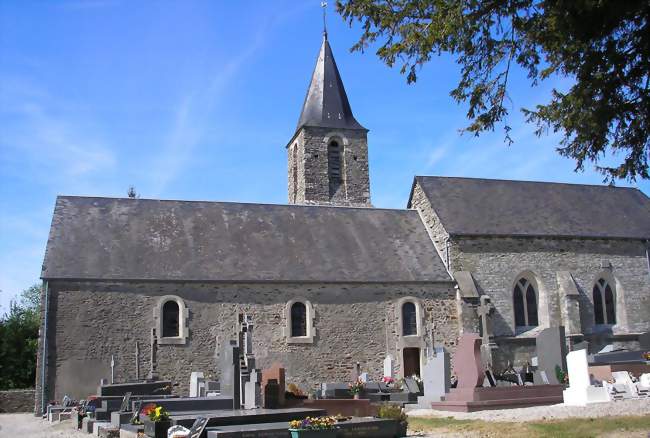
(124, 407)
(197, 427)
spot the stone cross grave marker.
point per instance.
(467, 361)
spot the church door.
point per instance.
(411, 361)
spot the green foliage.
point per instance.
(603, 46)
(19, 341)
(393, 412)
(560, 375)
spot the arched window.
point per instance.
(298, 319)
(170, 320)
(299, 322)
(170, 327)
(409, 319)
(525, 304)
(334, 166)
(604, 303)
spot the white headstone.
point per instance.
(580, 392)
(435, 378)
(197, 384)
(388, 366)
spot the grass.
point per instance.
(568, 428)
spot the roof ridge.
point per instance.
(345, 207)
(529, 181)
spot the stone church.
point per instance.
(328, 280)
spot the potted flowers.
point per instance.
(313, 427)
(355, 388)
(157, 421)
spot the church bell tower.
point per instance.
(328, 154)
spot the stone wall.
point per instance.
(17, 400)
(497, 262)
(353, 322)
(308, 181)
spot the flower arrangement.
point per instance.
(155, 413)
(313, 423)
(356, 387)
(646, 355)
(387, 380)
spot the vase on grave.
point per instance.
(312, 433)
(356, 396)
(156, 429)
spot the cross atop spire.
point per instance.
(323, 5)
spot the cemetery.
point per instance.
(253, 402)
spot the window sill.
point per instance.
(177, 340)
(300, 340)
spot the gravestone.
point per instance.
(253, 396)
(467, 361)
(580, 391)
(275, 372)
(388, 366)
(411, 386)
(271, 394)
(125, 406)
(198, 427)
(230, 373)
(363, 377)
(550, 345)
(197, 384)
(435, 377)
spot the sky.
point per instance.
(197, 100)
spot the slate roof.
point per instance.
(141, 239)
(326, 103)
(469, 206)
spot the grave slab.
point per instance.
(354, 428)
(245, 416)
(163, 387)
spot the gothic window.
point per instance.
(334, 171)
(604, 303)
(170, 317)
(409, 319)
(298, 319)
(525, 304)
(170, 320)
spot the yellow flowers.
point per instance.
(313, 423)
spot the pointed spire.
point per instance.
(326, 104)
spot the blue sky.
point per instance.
(197, 100)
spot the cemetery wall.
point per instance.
(90, 321)
(16, 400)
